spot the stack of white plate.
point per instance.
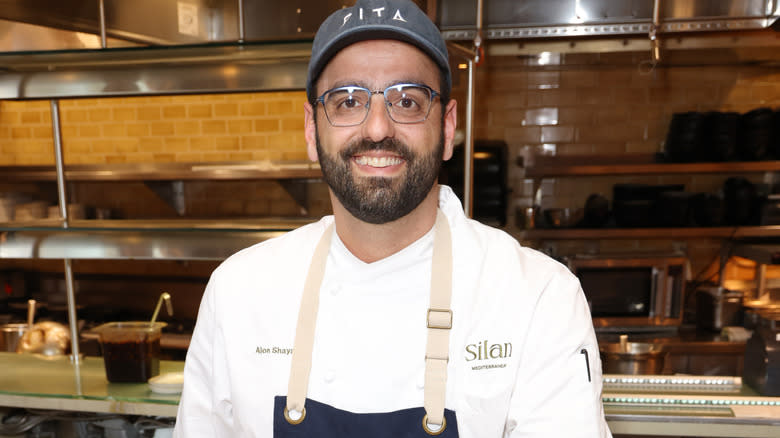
(168, 383)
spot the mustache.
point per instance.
(389, 144)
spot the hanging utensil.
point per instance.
(165, 296)
(30, 313)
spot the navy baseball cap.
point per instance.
(398, 20)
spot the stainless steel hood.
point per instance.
(156, 70)
(52, 49)
(171, 22)
(513, 19)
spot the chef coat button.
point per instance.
(421, 382)
(330, 376)
(334, 290)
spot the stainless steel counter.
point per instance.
(696, 406)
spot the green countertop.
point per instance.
(35, 381)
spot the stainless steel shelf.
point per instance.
(650, 233)
(137, 240)
(765, 254)
(156, 70)
(635, 164)
(166, 171)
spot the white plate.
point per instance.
(168, 383)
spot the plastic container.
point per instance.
(131, 350)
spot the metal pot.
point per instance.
(632, 358)
(10, 334)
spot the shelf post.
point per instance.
(468, 149)
(63, 200)
(102, 10)
(762, 294)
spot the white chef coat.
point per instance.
(516, 369)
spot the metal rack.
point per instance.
(634, 164)
(225, 67)
(639, 164)
(135, 71)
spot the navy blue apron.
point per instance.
(325, 421)
(296, 416)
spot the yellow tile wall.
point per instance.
(599, 104)
(198, 128)
(589, 104)
(606, 104)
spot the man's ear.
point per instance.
(450, 124)
(310, 131)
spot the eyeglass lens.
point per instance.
(405, 103)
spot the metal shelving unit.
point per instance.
(231, 67)
(651, 233)
(633, 165)
(237, 170)
(175, 239)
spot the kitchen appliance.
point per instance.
(632, 293)
(757, 130)
(753, 311)
(741, 202)
(490, 190)
(596, 214)
(707, 209)
(684, 138)
(770, 211)
(717, 308)
(10, 335)
(537, 19)
(762, 355)
(650, 205)
(632, 357)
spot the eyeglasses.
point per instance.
(405, 103)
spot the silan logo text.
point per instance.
(485, 351)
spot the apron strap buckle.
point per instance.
(440, 319)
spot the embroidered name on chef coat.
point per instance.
(273, 350)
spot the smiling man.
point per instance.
(397, 316)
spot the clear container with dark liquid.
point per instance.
(131, 350)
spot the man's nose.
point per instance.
(378, 124)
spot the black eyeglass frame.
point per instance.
(371, 93)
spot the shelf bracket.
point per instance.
(172, 192)
(298, 190)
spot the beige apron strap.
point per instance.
(439, 325)
(298, 385)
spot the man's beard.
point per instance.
(379, 200)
